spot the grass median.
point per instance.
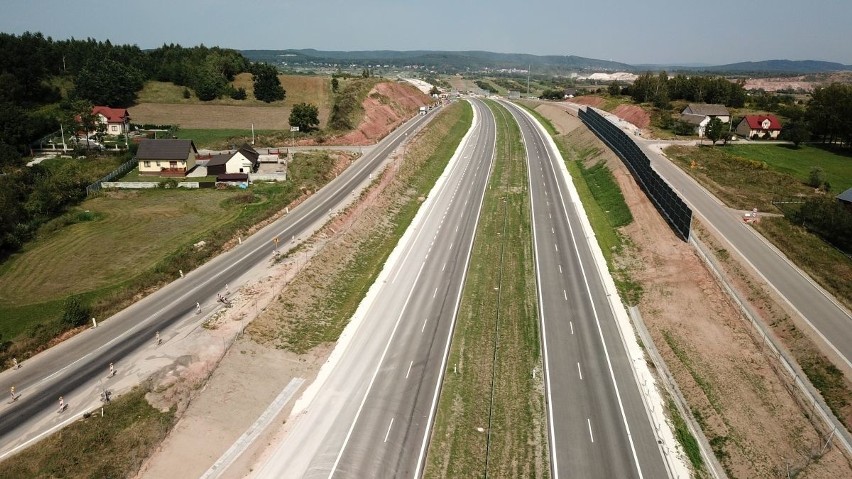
(491, 414)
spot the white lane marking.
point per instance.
(560, 269)
(432, 409)
(451, 245)
(556, 246)
(435, 293)
(376, 372)
(572, 327)
(442, 267)
(538, 131)
(412, 364)
(591, 436)
(424, 324)
(552, 230)
(578, 370)
(565, 294)
(391, 425)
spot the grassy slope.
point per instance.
(112, 446)
(798, 162)
(137, 239)
(518, 439)
(308, 325)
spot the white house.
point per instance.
(707, 109)
(116, 120)
(698, 122)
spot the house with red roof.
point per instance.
(759, 126)
(117, 120)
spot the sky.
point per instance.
(630, 31)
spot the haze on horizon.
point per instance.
(647, 32)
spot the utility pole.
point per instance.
(529, 71)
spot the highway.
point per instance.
(599, 427)
(72, 368)
(372, 412)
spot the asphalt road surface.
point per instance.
(599, 427)
(82, 360)
(372, 415)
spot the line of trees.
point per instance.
(829, 114)
(659, 89)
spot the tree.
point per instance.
(614, 88)
(305, 116)
(108, 82)
(75, 313)
(715, 130)
(334, 85)
(267, 86)
(816, 178)
(552, 95)
(239, 94)
(434, 90)
(796, 132)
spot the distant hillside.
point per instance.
(443, 61)
(779, 66)
(479, 61)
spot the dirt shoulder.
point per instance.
(753, 418)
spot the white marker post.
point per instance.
(94, 323)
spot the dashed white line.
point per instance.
(391, 425)
(442, 267)
(412, 363)
(556, 246)
(565, 294)
(572, 327)
(578, 370)
(435, 293)
(560, 269)
(427, 320)
(591, 436)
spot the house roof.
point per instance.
(165, 149)
(846, 196)
(249, 153)
(755, 122)
(113, 115)
(708, 109)
(217, 160)
(693, 119)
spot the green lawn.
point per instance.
(799, 162)
(206, 137)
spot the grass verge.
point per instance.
(686, 440)
(491, 414)
(331, 297)
(111, 446)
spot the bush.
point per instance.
(239, 94)
(816, 178)
(75, 313)
(186, 93)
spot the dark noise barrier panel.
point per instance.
(667, 202)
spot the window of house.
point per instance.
(147, 163)
(158, 163)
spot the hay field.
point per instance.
(163, 103)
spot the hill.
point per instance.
(443, 61)
(474, 60)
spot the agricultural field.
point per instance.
(163, 103)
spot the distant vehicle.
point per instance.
(422, 110)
